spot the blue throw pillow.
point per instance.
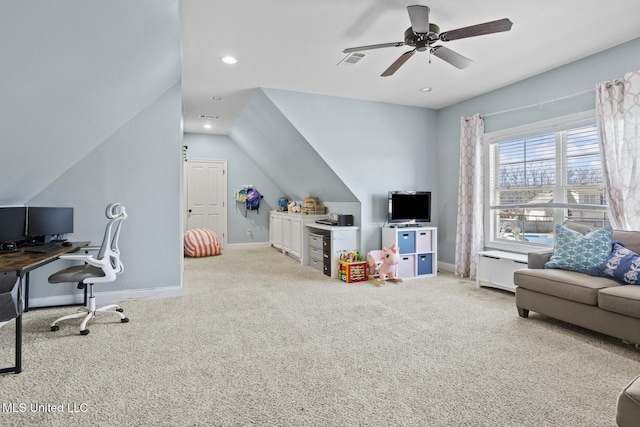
(576, 252)
(622, 265)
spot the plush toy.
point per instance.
(383, 262)
(293, 207)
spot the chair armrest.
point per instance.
(538, 259)
(78, 257)
(89, 248)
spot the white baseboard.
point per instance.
(248, 245)
(445, 266)
(109, 297)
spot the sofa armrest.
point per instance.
(538, 259)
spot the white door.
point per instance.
(206, 195)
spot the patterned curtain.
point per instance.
(618, 118)
(469, 233)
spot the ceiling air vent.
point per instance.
(351, 59)
(205, 116)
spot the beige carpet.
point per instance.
(258, 339)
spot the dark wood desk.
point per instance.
(23, 263)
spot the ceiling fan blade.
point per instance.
(451, 57)
(477, 30)
(372, 46)
(419, 17)
(398, 63)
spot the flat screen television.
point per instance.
(409, 207)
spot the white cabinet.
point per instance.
(275, 230)
(292, 236)
(496, 268)
(417, 246)
(287, 233)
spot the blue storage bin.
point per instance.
(407, 242)
(425, 264)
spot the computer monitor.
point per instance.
(13, 222)
(46, 224)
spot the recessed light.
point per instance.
(229, 60)
(207, 126)
(425, 89)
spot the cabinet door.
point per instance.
(275, 231)
(286, 234)
(295, 247)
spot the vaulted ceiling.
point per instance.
(297, 45)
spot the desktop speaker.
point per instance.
(345, 220)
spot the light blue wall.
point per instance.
(570, 79)
(241, 170)
(90, 114)
(140, 167)
(72, 74)
(372, 147)
(269, 138)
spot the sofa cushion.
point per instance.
(628, 410)
(570, 285)
(629, 239)
(576, 226)
(621, 299)
(622, 265)
(577, 252)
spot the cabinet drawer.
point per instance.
(316, 264)
(315, 240)
(425, 264)
(407, 266)
(326, 244)
(407, 242)
(423, 241)
(315, 253)
(326, 262)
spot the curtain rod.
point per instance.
(539, 104)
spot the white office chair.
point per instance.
(102, 268)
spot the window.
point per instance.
(541, 175)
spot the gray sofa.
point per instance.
(597, 303)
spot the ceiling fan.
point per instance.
(422, 35)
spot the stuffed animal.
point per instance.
(293, 207)
(383, 262)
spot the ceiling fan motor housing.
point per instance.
(421, 41)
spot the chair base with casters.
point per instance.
(90, 312)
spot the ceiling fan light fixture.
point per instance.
(229, 60)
